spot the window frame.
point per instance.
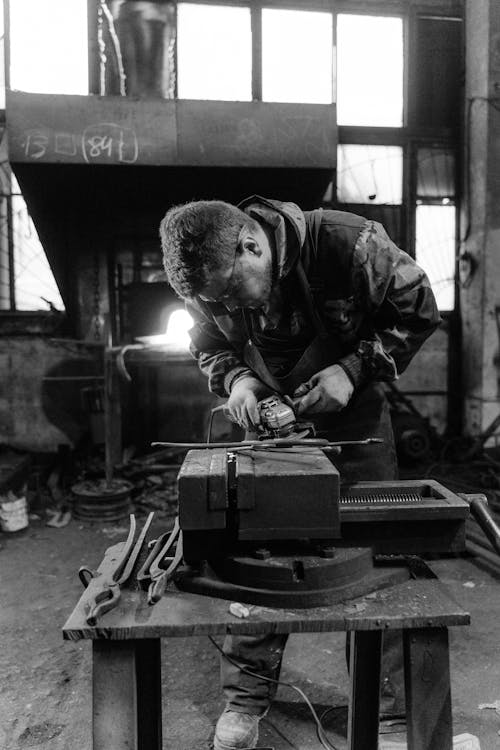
(410, 136)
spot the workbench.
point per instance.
(127, 666)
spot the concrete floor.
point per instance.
(45, 686)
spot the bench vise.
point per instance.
(232, 499)
(276, 526)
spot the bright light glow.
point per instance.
(49, 46)
(214, 52)
(35, 285)
(369, 71)
(370, 174)
(178, 326)
(297, 56)
(435, 250)
(176, 334)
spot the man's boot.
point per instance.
(236, 730)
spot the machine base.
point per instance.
(291, 581)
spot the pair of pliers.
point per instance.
(108, 595)
(159, 567)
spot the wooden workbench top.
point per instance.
(410, 604)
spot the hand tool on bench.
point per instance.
(154, 569)
(108, 593)
(155, 547)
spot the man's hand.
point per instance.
(242, 402)
(328, 390)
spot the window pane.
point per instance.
(435, 173)
(369, 174)
(214, 52)
(146, 34)
(435, 250)
(369, 71)
(48, 46)
(297, 56)
(2, 59)
(35, 285)
(438, 81)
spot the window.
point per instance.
(435, 250)
(214, 52)
(440, 72)
(297, 56)
(369, 174)
(435, 174)
(35, 286)
(2, 59)
(435, 226)
(369, 71)
(48, 46)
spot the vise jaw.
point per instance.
(229, 499)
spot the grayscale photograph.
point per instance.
(249, 374)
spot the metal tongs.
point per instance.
(159, 566)
(107, 594)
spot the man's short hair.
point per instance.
(199, 238)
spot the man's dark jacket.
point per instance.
(372, 298)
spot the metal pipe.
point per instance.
(477, 538)
(482, 553)
(479, 509)
(271, 443)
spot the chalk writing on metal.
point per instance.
(107, 141)
(35, 144)
(286, 140)
(65, 144)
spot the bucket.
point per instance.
(13, 512)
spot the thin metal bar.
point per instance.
(6, 42)
(73, 377)
(256, 22)
(93, 53)
(10, 241)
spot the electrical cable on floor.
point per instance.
(329, 710)
(325, 742)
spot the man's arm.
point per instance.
(400, 312)
(398, 303)
(226, 372)
(217, 359)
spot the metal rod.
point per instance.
(272, 443)
(73, 377)
(479, 509)
(10, 248)
(476, 549)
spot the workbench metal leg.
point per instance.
(364, 702)
(126, 695)
(428, 695)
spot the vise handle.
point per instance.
(479, 508)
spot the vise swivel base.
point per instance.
(263, 527)
(295, 580)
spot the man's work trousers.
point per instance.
(367, 416)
